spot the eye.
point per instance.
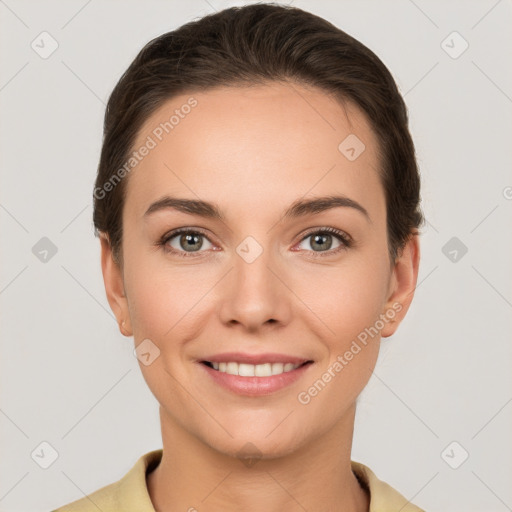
(185, 242)
(321, 241)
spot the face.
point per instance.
(298, 291)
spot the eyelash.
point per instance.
(346, 241)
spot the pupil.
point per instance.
(190, 241)
(322, 239)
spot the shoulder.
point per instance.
(383, 497)
(102, 499)
(129, 494)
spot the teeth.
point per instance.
(254, 370)
(232, 368)
(246, 370)
(277, 368)
(263, 370)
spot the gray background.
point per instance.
(69, 378)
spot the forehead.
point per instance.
(256, 147)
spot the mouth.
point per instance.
(254, 375)
(253, 370)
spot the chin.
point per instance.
(251, 441)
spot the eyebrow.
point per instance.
(299, 208)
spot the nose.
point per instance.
(253, 296)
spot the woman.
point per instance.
(257, 202)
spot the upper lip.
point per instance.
(240, 357)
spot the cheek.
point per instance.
(350, 304)
(152, 307)
(360, 300)
(164, 306)
(358, 321)
(163, 299)
(347, 299)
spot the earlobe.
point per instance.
(125, 330)
(114, 286)
(404, 279)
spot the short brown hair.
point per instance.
(257, 44)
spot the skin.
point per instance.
(254, 151)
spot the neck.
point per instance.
(194, 476)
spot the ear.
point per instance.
(114, 286)
(402, 285)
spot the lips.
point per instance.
(254, 374)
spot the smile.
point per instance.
(253, 370)
(254, 374)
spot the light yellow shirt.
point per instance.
(130, 493)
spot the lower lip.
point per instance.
(255, 386)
